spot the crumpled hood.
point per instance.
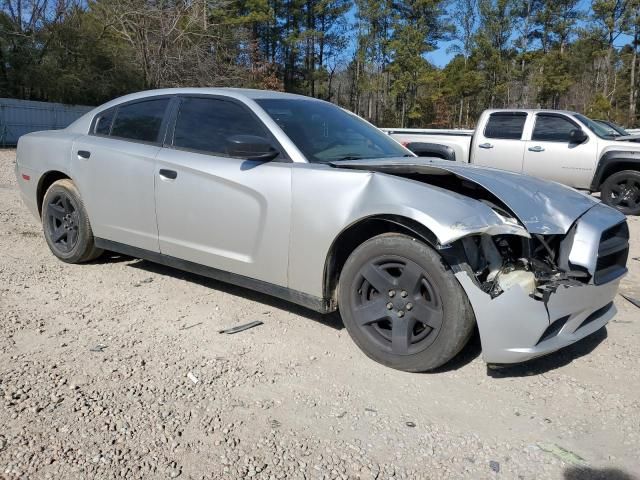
(542, 206)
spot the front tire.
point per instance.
(622, 192)
(402, 306)
(66, 224)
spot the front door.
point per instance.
(114, 170)
(551, 155)
(228, 213)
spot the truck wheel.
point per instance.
(66, 224)
(622, 191)
(402, 306)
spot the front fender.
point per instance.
(326, 201)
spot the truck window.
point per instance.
(506, 125)
(552, 128)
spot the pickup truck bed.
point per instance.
(429, 142)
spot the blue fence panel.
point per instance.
(18, 117)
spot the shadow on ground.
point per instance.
(468, 354)
(552, 361)
(588, 473)
(112, 257)
(332, 320)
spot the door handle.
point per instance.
(537, 148)
(485, 145)
(169, 174)
(84, 154)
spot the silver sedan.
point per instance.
(305, 201)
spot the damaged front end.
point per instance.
(546, 276)
(532, 296)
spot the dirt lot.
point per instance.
(93, 384)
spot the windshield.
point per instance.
(614, 129)
(325, 133)
(597, 128)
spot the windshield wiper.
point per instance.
(359, 157)
(348, 157)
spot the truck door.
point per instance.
(500, 144)
(550, 154)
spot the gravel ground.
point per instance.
(94, 364)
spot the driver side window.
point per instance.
(552, 128)
(206, 124)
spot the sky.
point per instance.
(440, 57)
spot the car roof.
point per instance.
(529, 110)
(243, 94)
(239, 93)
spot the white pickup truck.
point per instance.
(563, 146)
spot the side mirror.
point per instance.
(577, 135)
(251, 147)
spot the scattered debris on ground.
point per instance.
(240, 328)
(562, 453)
(632, 300)
(297, 400)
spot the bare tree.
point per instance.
(177, 43)
(464, 19)
(27, 16)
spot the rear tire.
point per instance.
(66, 224)
(622, 192)
(402, 306)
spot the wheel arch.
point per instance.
(613, 162)
(359, 232)
(424, 149)
(45, 181)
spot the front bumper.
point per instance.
(515, 327)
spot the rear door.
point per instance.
(215, 210)
(500, 144)
(551, 155)
(113, 168)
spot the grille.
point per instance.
(612, 253)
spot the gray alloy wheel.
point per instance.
(622, 192)
(402, 306)
(66, 225)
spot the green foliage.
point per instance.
(553, 79)
(370, 56)
(600, 107)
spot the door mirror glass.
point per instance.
(577, 135)
(251, 147)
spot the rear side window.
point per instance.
(103, 122)
(552, 128)
(140, 121)
(205, 124)
(506, 125)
